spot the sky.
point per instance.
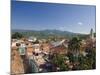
(41, 16)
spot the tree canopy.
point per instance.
(17, 35)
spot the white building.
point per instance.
(32, 39)
(37, 48)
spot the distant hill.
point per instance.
(47, 33)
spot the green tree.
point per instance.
(70, 56)
(17, 35)
(59, 60)
(74, 48)
(88, 61)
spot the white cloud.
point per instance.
(80, 23)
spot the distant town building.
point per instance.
(32, 39)
(60, 47)
(30, 50)
(37, 48)
(22, 49)
(46, 47)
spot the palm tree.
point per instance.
(74, 47)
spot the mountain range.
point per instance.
(46, 33)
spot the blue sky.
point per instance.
(41, 16)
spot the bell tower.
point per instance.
(91, 34)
